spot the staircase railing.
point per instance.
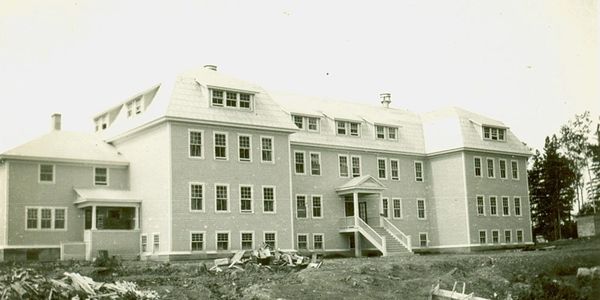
(372, 236)
(404, 239)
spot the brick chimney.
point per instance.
(386, 99)
(56, 122)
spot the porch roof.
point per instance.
(103, 196)
(364, 184)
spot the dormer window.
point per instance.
(306, 123)
(299, 121)
(134, 107)
(386, 132)
(347, 128)
(101, 122)
(494, 133)
(230, 99)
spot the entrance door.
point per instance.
(349, 207)
(362, 211)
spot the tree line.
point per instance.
(564, 179)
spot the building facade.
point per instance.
(205, 164)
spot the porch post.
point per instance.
(355, 202)
(380, 209)
(93, 217)
(136, 226)
(357, 245)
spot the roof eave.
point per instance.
(63, 160)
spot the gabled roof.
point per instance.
(361, 183)
(67, 147)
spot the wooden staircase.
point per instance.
(393, 246)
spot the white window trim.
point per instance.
(479, 237)
(375, 132)
(226, 158)
(520, 206)
(190, 130)
(217, 240)
(385, 165)
(348, 166)
(265, 238)
(397, 164)
(502, 203)
(505, 168)
(490, 200)
(262, 192)
(504, 236)
(203, 240)
(311, 206)
(517, 236)
(253, 238)
(228, 198)
(307, 241)
(302, 120)
(426, 239)
(107, 176)
(203, 197)
(511, 170)
(351, 168)
(237, 98)
(40, 173)
(305, 205)
(308, 124)
(480, 166)
(272, 161)
(249, 160)
(251, 211)
(310, 163)
(154, 234)
(305, 164)
(492, 236)
(322, 241)
(487, 167)
(497, 134)
(424, 209)
(477, 205)
(393, 208)
(52, 218)
(422, 171)
(387, 133)
(142, 244)
(388, 208)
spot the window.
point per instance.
(502, 164)
(195, 142)
(495, 236)
(300, 207)
(354, 129)
(222, 240)
(244, 147)
(315, 163)
(381, 168)
(100, 176)
(266, 149)
(341, 127)
(220, 145)
(384, 207)
(397, 208)
(156, 240)
(268, 199)
(490, 168)
(517, 206)
(46, 173)
(494, 133)
(514, 169)
(246, 198)
(343, 165)
(505, 206)
(423, 241)
(317, 206)
(348, 128)
(519, 236)
(302, 242)
(493, 206)
(385, 132)
(482, 237)
(299, 121)
(232, 99)
(355, 166)
(46, 218)
(418, 171)
(197, 241)
(247, 240)
(299, 162)
(138, 105)
(480, 206)
(477, 164)
(313, 124)
(129, 109)
(394, 169)
(421, 209)
(271, 239)
(380, 132)
(507, 237)
(222, 198)
(318, 241)
(196, 196)
(144, 243)
(392, 133)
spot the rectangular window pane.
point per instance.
(423, 239)
(354, 127)
(480, 206)
(244, 148)
(494, 134)
(267, 149)
(355, 166)
(395, 172)
(301, 206)
(46, 173)
(222, 241)
(507, 237)
(490, 168)
(341, 127)
(519, 236)
(220, 146)
(316, 207)
(392, 133)
(517, 204)
(268, 199)
(46, 219)
(32, 218)
(505, 206)
(217, 98)
(482, 237)
(418, 171)
(197, 241)
(302, 242)
(477, 162)
(244, 100)
(384, 207)
(318, 242)
(313, 124)
(246, 199)
(315, 164)
(421, 209)
(221, 199)
(502, 164)
(299, 121)
(501, 134)
(299, 159)
(493, 206)
(59, 218)
(486, 132)
(101, 176)
(495, 236)
(231, 99)
(195, 144)
(380, 132)
(270, 240)
(247, 241)
(196, 197)
(515, 169)
(343, 166)
(397, 208)
(381, 168)
(144, 243)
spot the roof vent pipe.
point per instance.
(56, 122)
(211, 67)
(386, 99)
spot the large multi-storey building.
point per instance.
(205, 164)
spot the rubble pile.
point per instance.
(21, 283)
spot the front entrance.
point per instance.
(362, 210)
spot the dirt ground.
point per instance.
(523, 274)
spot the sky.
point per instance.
(530, 64)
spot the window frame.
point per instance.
(512, 169)
(477, 197)
(352, 157)
(53, 219)
(385, 169)
(251, 211)
(226, 157)
(497, 231)
(493, 133)
(509, 236)
(475, 158)
(249, 159)
(522, 238)
(495, 206)
(203, 202)
(217, 232)
(312, 206)
(305, 206)
(485, 240)
(317, 124)
(107, 182)
(520, 206)
(307, 241)
(144, 243)
(505, 209)
(238, 99)
(296, 162)
(399, 208)
(493, 169)
(272, 150)
(320, 169)
(314, 242)
(155, 242)
(377, 127)
(190, 131)
(253, 241)
(53, 181)
(422, 177)
(228, 199)
(275, 236)
(505, 168)
(203, 233)
(426, 239)
(347, 165)
(274, 198)
(385, 206)
(392, 177)
(301, 119)
(424, 209)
